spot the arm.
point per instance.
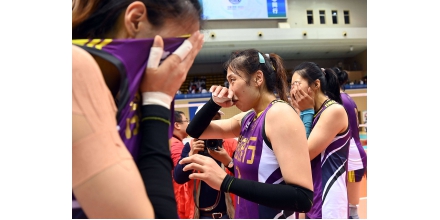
(179, 175)
(333, 120)
(296, 195)
(203, 128)
(105, 180)
(154, 162)
(307, 119)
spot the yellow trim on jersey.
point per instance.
(80, 42)
(351, 177)
(97, 43)
(103, 44)
(185, 36)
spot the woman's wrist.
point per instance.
(156, 98)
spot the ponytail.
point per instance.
(332, 85)
(280, 76)
(342, 77)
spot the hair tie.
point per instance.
(261, 58)
(323, 71)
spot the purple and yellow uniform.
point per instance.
(255, 160)
(357, 158)
(330, 176)
(130, 57)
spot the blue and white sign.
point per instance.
(243, 9)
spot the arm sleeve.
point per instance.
(181, 176)
(286, 197)
(154, 162)
(307, 118)
(202, 119)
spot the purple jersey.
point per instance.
(349, 106)
(255, 160)
(130, 56)
(329, 172)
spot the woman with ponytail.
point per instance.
(357, 158)
(272, 174)
(124, 54)
(329, 139)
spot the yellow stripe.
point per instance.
(80, 42)
(93, 42)
(253, 138)
(351, 178)
(103, 43)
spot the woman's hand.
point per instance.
(301, 100)
(208, 170)
(221, 155)
(169, 76)
(196, 146)
(223, 96)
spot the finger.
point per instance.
(295, 104)
(298, 94)
(217, 91)
(212, 89)
(156, 52)
(302, 93)
(197, 43)
(193, 166)
(198, 176)
(171, 63)
(292, 93)
(184, 49)
(223, 92)
(197, 158)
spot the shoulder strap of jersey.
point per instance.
(122, 97)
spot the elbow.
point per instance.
(301, 201)
(179, 181)
(177, 176)
(307, 202)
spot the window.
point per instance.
(335, 16)
(309, 17)
(346, 17)
(322, 16)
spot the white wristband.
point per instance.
(156, 98)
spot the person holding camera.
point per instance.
(182, 192)
(209, 203)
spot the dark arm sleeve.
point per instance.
(202, 119)
(286, 197)
(154, 162)
(179, 175)
(307, 119)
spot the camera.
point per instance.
(212, 144)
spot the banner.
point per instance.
(243, 9)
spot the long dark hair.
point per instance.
(329, 81)
(97, 18)
(342, 77)
(248, 61)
